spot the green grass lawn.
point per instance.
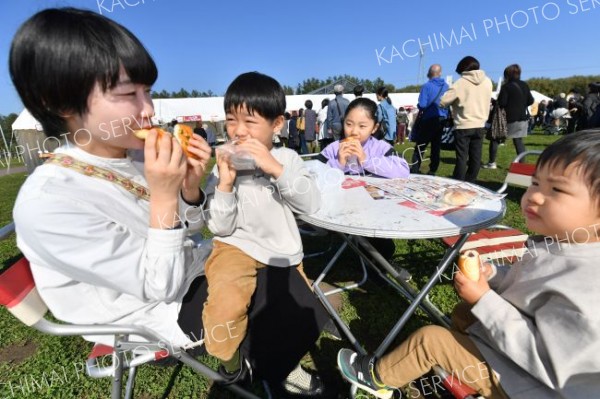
(6, 163)
(39, 366)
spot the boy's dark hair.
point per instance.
(258, 93)
(467, 64)
(324, 102)
(582, 148)
(308, 104)
(58, 55)
(367, 104)
(358, 90)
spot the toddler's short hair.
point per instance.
(581, 148)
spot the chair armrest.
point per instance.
(524, 154)
(7, 230)
(95, 329)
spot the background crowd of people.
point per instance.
(308, 131)
(568, 113)
(466, 108)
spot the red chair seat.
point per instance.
(15, 283)
(100, 350)
(501, 243)
(505, 244)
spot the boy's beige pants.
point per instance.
(231, 276)
(435, 345)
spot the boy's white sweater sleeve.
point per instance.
(298, 188)
(220, 209)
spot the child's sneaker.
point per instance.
(300, 383)
(360, 371)
(240, 376)
(491, 165)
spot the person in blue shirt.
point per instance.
(431, 125)
(386, 115)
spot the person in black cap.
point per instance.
(358, 90)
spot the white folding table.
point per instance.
(356, 215)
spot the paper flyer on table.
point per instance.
(425, 194)
(428, 194)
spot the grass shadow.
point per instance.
(172, 379)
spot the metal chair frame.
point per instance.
(126, 353)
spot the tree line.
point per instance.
(553, 87)
(183, 93)
(305, 87)
(370, 86)
(547, 86)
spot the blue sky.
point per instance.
(204, 45)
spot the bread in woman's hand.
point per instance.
(469, 264)
(143, 133)
(182, 134)
(458, 196)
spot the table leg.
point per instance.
(330, 309)
(400, 282)
(442, 266)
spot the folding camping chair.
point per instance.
(20, 296)
(501, 242)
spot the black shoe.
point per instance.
(300, 384)
(242, 375)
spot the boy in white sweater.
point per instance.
(534, 328)
(251, 213)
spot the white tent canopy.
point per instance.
(538, 97)
(211, 108)
(26, 122)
